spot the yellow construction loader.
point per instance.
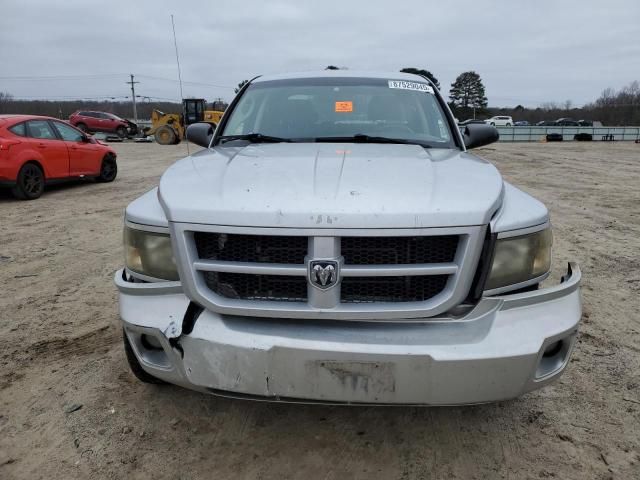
(169, 128)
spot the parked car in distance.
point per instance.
(37, 150)
(90, 122)
(566, 122)
(500, 121)
(521, 123)
(281, 262)
(589, 123)
(546, 123)
(471, 121)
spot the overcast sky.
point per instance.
(526, 52)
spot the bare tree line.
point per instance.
(613, 108)
(63, 108)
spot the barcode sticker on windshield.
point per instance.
(404, 85)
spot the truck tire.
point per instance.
(108, 169)
(166, 135)
(135, 366)
(30, 182)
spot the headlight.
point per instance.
(518, 259)
(150, 254)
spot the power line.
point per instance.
(61, 77)
(92, 97)
(151, 97)
(186, 82)
(69, 97)
(105, 75)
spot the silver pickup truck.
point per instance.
(335, 241)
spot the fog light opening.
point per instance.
(553, 349)
(554, 357)
(150, 343)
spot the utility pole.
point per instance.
(133, 98)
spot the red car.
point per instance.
(36, 150)
(88, 121)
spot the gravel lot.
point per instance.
(60, 348)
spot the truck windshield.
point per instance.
(366, 110)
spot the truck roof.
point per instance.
(341, 74)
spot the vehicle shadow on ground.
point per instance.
(349, 415)
(215, 403)
(49, 191)
(290, 436)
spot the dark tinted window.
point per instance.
(194, 111)
(68, 133)
(41, 129)
(19, 129)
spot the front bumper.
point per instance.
(504, 347)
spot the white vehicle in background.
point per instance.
(500, 121)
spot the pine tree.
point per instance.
(468, 92)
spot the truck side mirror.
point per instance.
(477, 135)
(200, 133)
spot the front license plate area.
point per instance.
(353, 380)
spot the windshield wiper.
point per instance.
(254, 138)
(362, 138)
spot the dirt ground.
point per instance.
(60, 348)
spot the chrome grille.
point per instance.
(251, 248)
(391, 289)
(257, 287)
(383, 273)
(399, 250)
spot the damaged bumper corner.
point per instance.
(506, 346)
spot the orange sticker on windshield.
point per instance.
(344, 106)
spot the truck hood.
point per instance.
(330, 185)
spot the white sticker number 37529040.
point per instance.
(403, 84)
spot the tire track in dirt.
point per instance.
(95, 341)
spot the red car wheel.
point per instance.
(30, 182)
